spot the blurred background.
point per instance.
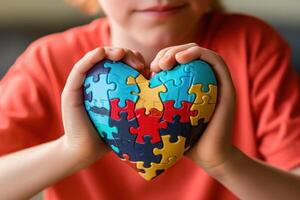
(21, 22)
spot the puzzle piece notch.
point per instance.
(116, 109)
(146, 128)
(148, 97)
(184, 111)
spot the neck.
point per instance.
(120, 38)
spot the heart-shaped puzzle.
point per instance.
(150, 123)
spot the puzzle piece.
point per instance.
(144, 152)
(175, 75)
(177, 128)
(178, 93)
(116, 109)
(98, 69)
(108, 132)
(146, 128)
(204, 110)
(198, 90)
(184, 111)
(149, 97)
(170, 149)
(126, 147)
(99, 91)
(123, 125)
(204, 102)
(118, 75)
(202, 73)
(155, 169)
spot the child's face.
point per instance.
(157, 23)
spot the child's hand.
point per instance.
(214, 147)
(81, 138)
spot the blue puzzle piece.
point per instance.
(178, 93)
(144, 152)
(126, 147)
(200, 71)
(124, 125)
(118, 75)
(101, 124)
(177, 128)
(98, 69)
(99, 91)
(124, 140)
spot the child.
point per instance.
(258, 106)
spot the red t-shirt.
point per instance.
(267, 115)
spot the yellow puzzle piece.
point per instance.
(197, 90)
(170, 149)
(149, 97)
(151, 172)
(204, 103)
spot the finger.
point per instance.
(146, 69)
(168, 60)
(154, 67)
(115, 54)
(226, 92)
(131, 59)
(78, 73)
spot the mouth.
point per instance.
(162, 10)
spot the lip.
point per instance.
(162, 10)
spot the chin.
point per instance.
(159, 39)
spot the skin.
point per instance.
(79, 146)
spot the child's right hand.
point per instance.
(81, 138)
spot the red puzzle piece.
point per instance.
(148, 125)
(115, 109)
(184, 112)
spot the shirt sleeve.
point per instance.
(275, 92)
(28, 114)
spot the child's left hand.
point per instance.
(214, 146)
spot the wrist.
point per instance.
(235, 161)
(77, 158)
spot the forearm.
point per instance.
(25, 173)
(252, 179)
